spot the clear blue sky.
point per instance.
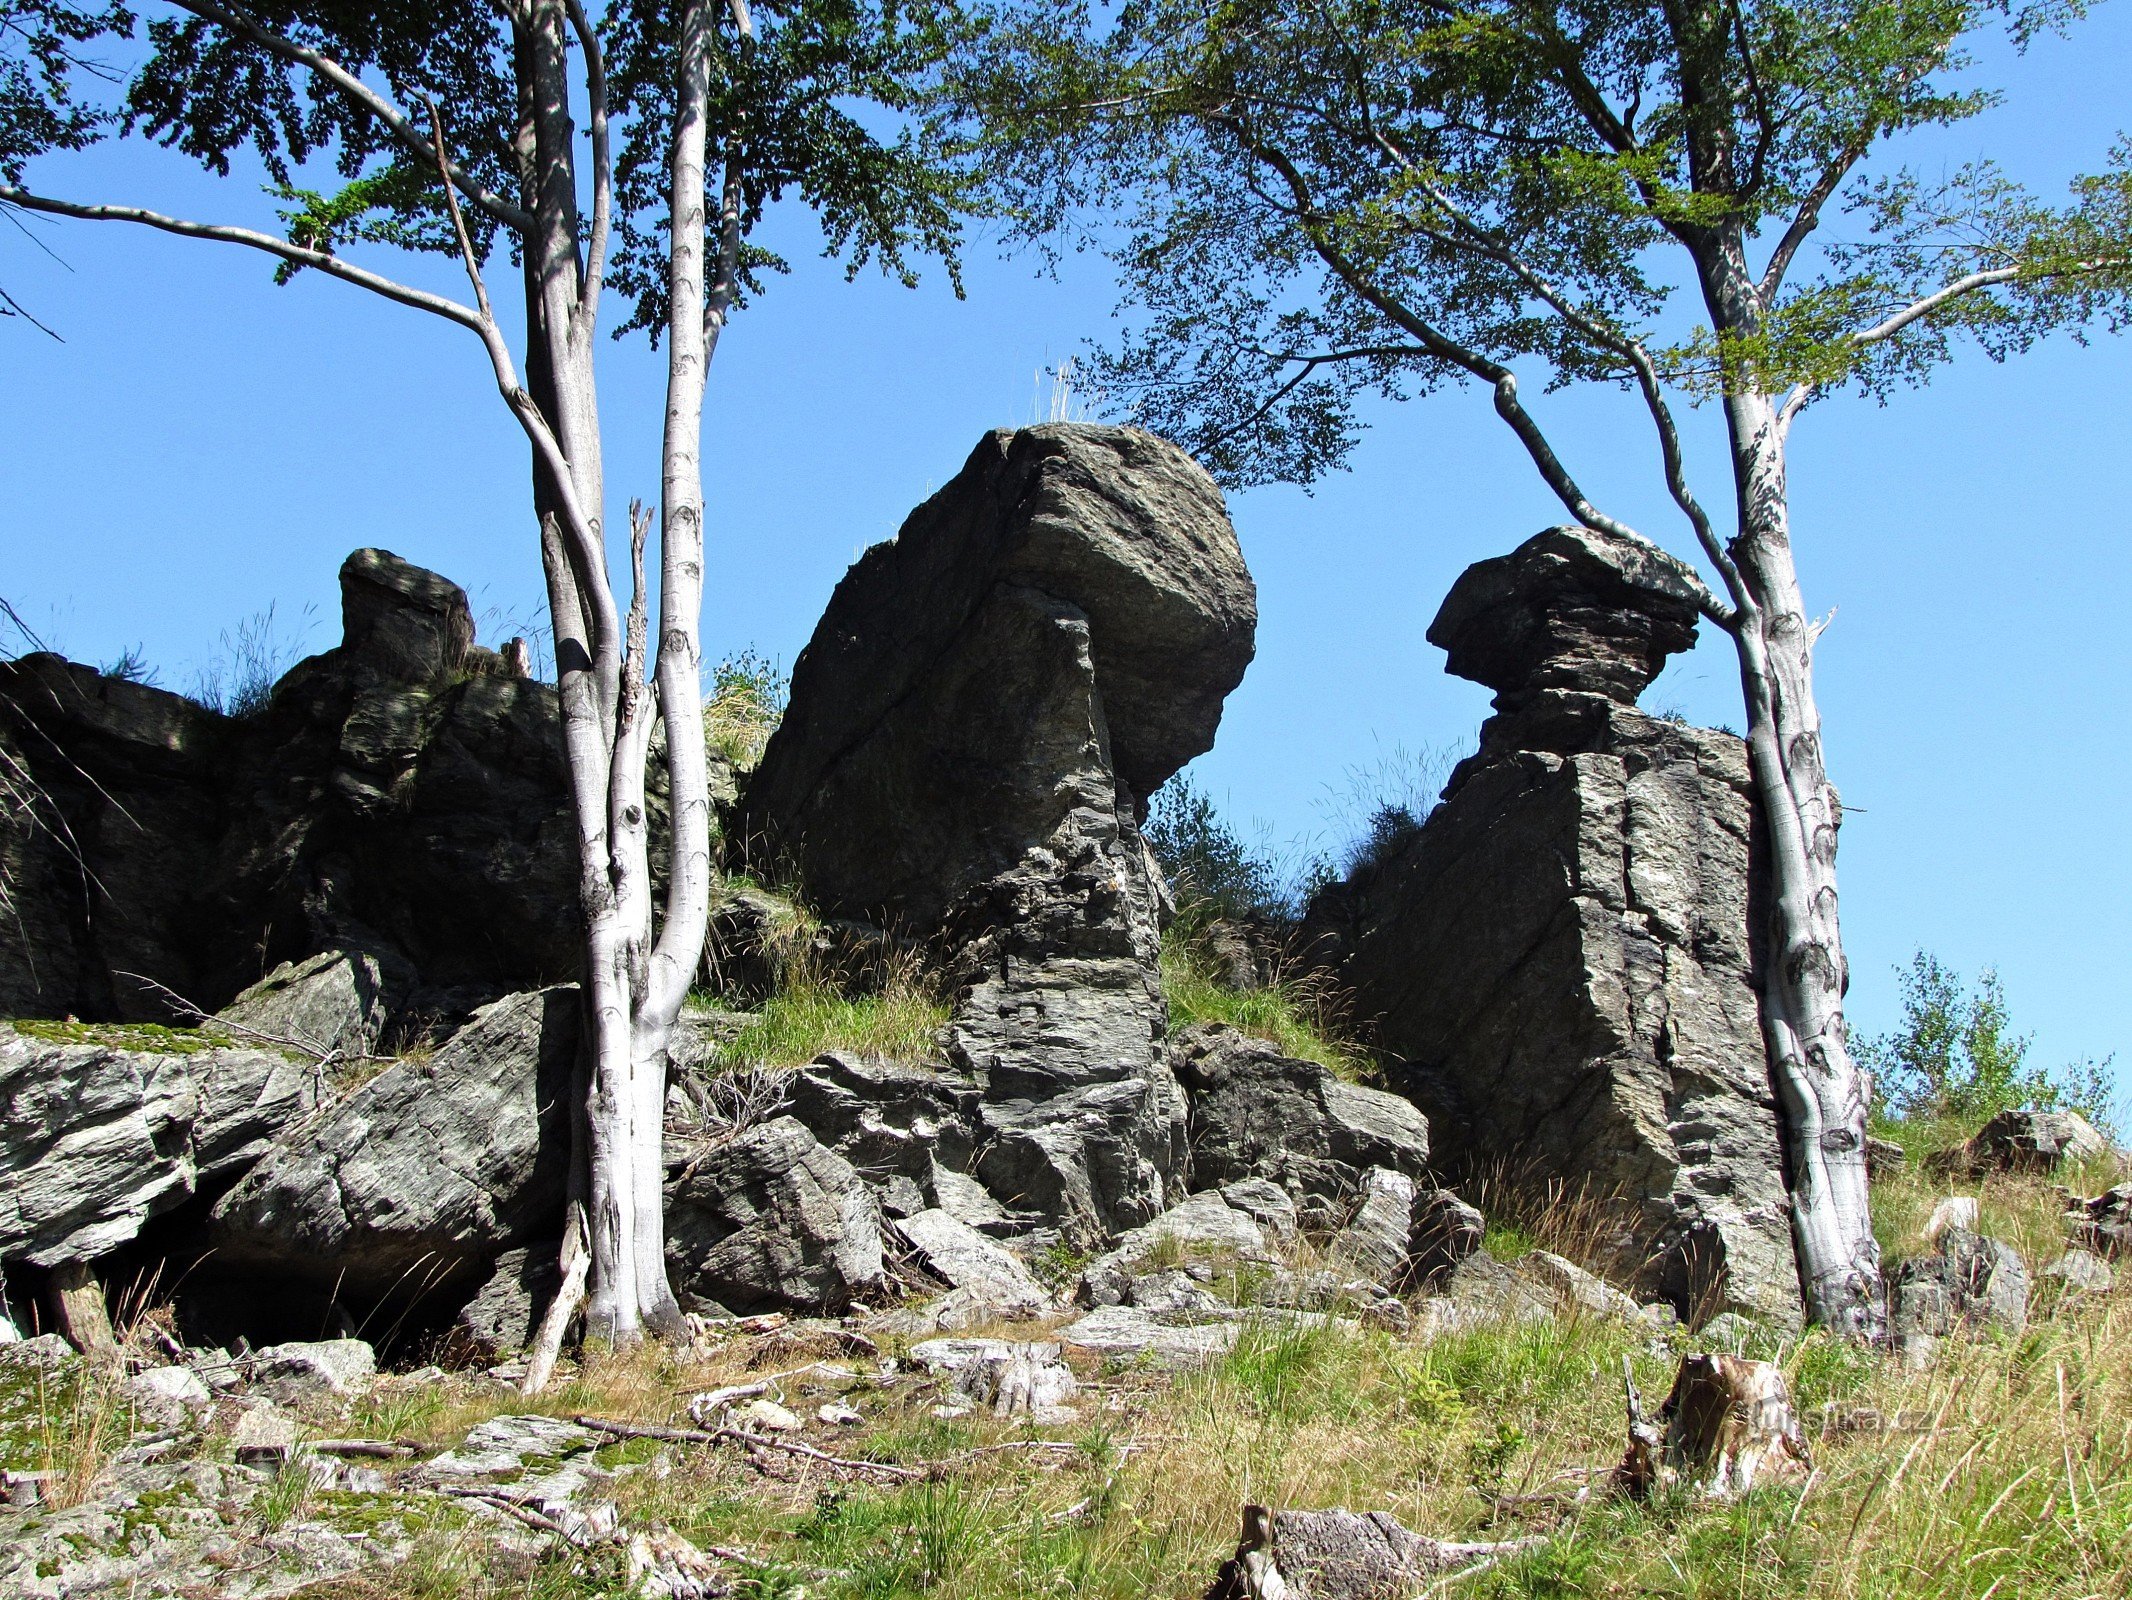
(205, 444)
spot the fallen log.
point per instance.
(1340, 1555)
(1727, 1425)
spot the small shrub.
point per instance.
(746, 702)
(1957, 1061)
(1213, 874)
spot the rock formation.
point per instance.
(398, 795)
(972, 733)
(1564, 955)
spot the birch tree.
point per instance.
(452, 129)
(1692, 201)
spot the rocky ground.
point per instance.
(1098, 1435)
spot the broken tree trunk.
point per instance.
(1727, 1425)
(78, 1309)
(1339, 1555)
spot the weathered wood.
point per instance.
(1727, 1426)
(1343, 1555)
(79, 1312)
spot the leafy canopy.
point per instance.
(1347, 197)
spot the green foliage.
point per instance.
(1213, 874)
(745, 703)
(1957, 1059)
(1365, 199)
(44, 53)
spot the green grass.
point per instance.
(1290, 1013)
(797, 1024)
(126, 1035)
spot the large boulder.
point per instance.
(771, 1221)
(427, 1173)
(96, 1139)
(1256, 1113)
(402, 794)
(972, 733)
(2025, 1140)
(1564, 955)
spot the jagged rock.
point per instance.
(2025, 1141)
(1576, 1292)
(1973, 1281)
(394, 795)
(2081, 1272)
(1481, 1288)
(316, 1370)
(265, 1435)
(1130, 1333)
(1265, 1203)
(1259, 1114)
(891, 1118)
(1174, 1294)
(2103, 1223)
(1884, 1156)
(508, 1444)
(773, 1220)
(426, 1173)
(1375, 1240)
(1201, 1225)
(166, 1397)
(988, 1281)
(96, 1139)
(1057, 629)
(45, 1350)
(499, 1322)
(1446, 1231)
(1563, 954)
(338, 1001)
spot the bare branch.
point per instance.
(602, 166)
(238, 20)
(1808, 217)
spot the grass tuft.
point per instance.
(1297, 1013)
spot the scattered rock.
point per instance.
(1259, 1114)
(1884, 1157)
(2081, 1272)
(1174, 1294)
(1563, 954)
(1973, 1281)
(1376, 1239)
(326, 1369)
(265, 1436)
(2025, 1141)
(505, 1445)
(1956, 1211)
(768, 1416)
(665, 1566)
(1576, 1292)
(772, 1220)
(988, 1280)
(838, 1415)
(2104, 1223)
(1446, 1231)
(1265, 1203)
(166, 1397)
(47, 1351)
(1201, 1224)
(1120, 1330)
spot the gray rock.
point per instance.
(2103, 1222)
(767, 1416)
(46, 1351)
(325, 1369)
(1256, 1113)
(773, 1221)
(1173, 1294)
(95, 1139)
(1446, 1231)
(988, 1279)
(338, 1000)
(1201, 1225)
(2025, 1141)
(2081, 1272)
(1563, 955)
(265, 1435)
(408, 623)
(166, 1397)
(891, 1118)
(1126, 1331)
(1265, 1203)
(500, 1321)
(1576, 1292)
(509, 1444)
(431, 1169)
(1483, 1289)
(1375, 1241)
(1057, 629)
(1972, 1282)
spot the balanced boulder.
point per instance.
(1563, 955)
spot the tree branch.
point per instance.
(602, 165)
(237, 20)
(1808, 217)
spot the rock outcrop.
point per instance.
(96, 1139)
(2026, 1140)
(399, 794)
(1564, 955)
(972, 733)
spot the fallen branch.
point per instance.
(372, 1449)
(540, 1521)
(753, 1441)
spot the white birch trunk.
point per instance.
(1822, 1094)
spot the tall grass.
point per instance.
(1300, 1012)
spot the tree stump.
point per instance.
(1727, 1426)
(78, 1309)
(1339, 1555)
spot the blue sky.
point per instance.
(205, 444)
